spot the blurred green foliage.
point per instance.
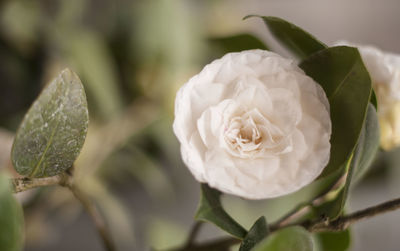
(131, 57)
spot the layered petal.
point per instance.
(254, 125)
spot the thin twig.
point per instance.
(343, 222)
(321, 225)
(94, 213)
(23, 184)
(66, 180)
(302, 208)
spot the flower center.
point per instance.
(243, 136)
(251, 134)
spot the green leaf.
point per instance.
(373, 100)
(53, 131)
(333, 241)
(11, 218)
(210, 209)
(236, 43)
(296, 40)
(346, 82)
(288, 239)
(369, 141)
(365, 152)
(256, 233)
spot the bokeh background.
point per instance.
(132, 56)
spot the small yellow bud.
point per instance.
(390, 127)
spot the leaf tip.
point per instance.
(250, 16)
(68, 74)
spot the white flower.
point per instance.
(254, 125)
(384, 69)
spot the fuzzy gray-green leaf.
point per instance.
(53, 131)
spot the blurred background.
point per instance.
(132, 56)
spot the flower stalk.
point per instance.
(66, 180)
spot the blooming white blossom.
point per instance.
(384, 69)
(254, 125)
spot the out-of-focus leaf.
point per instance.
(53, 131)
(210, 209)
(333, 241)
(288, 239)
(119, 217)
(6, 139)
(236, 43)
(134, 160)
(163, 234)
(92, 60)
(102, 140)
(11, 218)
(256, 233)
(346, 82)
(21, 22)
(298, 41)
(166, 43)
(365, 152)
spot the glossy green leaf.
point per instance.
(332, 208)
(296, 40)
(236, 43)
(346, 82)
(333, 241)
(53, 131)
(210, 209)
(11, 218)
(369, 140)
(288, 239)
(256, 233)
(365, 152)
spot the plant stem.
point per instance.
(303, 208)
(94, 213)
(66, 180)
(343, 222)
(321, 225)
(23, 184)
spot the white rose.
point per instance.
(254, 125)
(384, 69)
